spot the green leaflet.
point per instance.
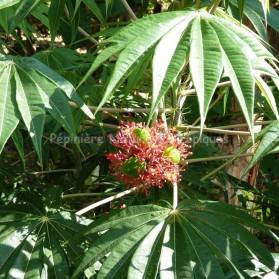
(138, 47)
(26, 6)
(145, 261)
(256, 20)
(237, 67)
(241, 5)
(31, 108)
(55, 11)
(94, 8)
(269, 141)
(8, 110)
(190, 242)
(205, 57)
(54, 101)
(267, 93)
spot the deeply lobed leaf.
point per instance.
(194, 241)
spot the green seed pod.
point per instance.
(142, 135)
(132, 167)
(173, 154)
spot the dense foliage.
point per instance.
(139, 139)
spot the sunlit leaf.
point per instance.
(31, 108)
(8, 111)
(189, 37)
(194, 241)
(205, 58)
(29, 89)
(7, 3)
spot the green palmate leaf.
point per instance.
(55, 11)
(127, 223)
(8, 110)
(28, 88)
(194, 241)
(31, 108)
(7, 3)
(26, 6)
(269, 141)
(211, 44)
(33, 241)
(117, 263)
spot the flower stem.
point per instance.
(82, 195)
(175, 195)
(206, 159)
(104, 201)
(53, 171)
(197, 4)
(213, 130)
(213, 6)
(272, 227)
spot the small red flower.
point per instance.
(147, 156)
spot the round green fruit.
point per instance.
(173, 154)
(141, 135)
(132, 167)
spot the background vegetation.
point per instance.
(72, 71)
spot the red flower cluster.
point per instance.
(147, 156)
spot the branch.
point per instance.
(129, 10)
(83, 32)
(213, 6)
(199, 160)
(213, 130)
(120, 110)
(192, 91)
